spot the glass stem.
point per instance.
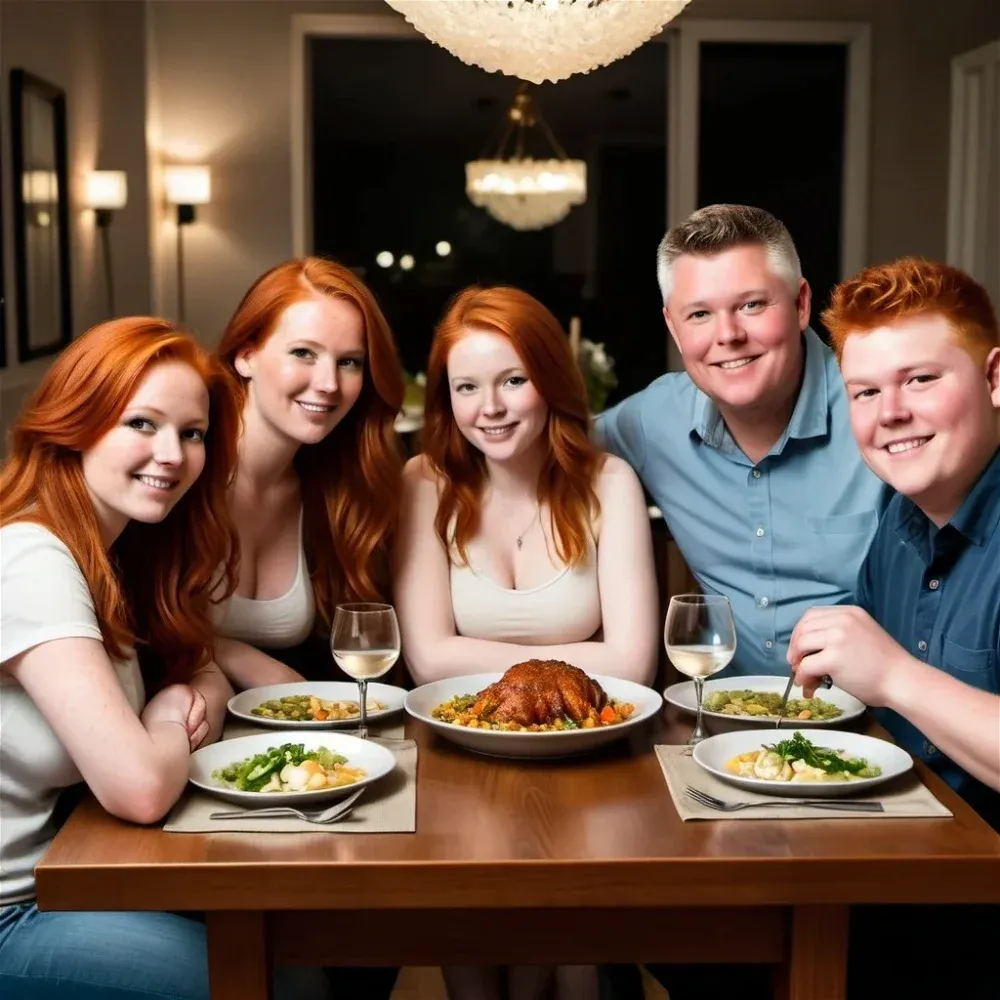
(363, 705)
(699, 686)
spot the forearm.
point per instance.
(245, 666)
(962, 721)
(456, 655)
(216, 691)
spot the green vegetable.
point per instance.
(252, 774)
(823, 758)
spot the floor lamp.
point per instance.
(107, 192)
(186, 187)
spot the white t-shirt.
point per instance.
(43, 596)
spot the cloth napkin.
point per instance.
(902, 798)
(387, 806)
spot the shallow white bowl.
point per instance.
(713, 753)
(375, 760)
(423, 700)
(240, 705)
(682, 695)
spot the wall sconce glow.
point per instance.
(107, 189)
(442, 248)
(406, 262)
(384, 259)
(188, 185)
(40, 187)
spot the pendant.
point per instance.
(519, 543)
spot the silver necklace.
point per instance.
(527, 527)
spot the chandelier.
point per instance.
(517, 190)
(539, 40)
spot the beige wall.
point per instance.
(222, 76)
(95, 52)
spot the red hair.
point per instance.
(156, 582)
(566, 481)
(351, 479)
(913, 287)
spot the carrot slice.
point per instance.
(607, 714)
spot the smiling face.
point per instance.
(496, 406)
(141, 467)
(738, 326)
(305, 377)
(923, 410)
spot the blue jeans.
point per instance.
(115, 956)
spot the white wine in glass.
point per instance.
(365, 645)
(700, 636)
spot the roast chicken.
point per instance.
(537, 692)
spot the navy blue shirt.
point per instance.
(936, 591)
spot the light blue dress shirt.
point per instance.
(777, 537)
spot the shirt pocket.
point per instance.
(975, 667)
(840, 545)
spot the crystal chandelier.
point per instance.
(517, 190)
(539, 40)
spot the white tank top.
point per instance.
(278, 623)
(565, 609)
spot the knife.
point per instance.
(825, 682)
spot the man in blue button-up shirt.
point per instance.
(749, 453)
(921, 362)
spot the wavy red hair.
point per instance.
(155, 584)
(909, 287)
(351, 480)
(572, 462)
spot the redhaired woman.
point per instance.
(518, 538)
(317, 487)
(114, 530)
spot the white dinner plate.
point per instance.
(713, 753)
(423, 700)
(241, 705)
(682, 695)
(372, 758)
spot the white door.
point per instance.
(974, 176)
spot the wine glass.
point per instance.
(700, 637)
(365, 644)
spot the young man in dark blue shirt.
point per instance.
(919, 351)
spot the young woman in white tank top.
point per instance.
(518, 539)
(315, 494)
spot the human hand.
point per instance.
(182, 705)
(197, 723)
(847, 644)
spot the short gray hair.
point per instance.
(716, 228)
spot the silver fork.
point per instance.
(720, 805)
(337, 811)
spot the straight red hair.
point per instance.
(155, 584)
(572, 462)
(351, 479)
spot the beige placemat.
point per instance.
(387, 806)
(903, 798)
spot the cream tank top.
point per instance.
(567, 608)
(278, 623)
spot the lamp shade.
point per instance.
(107, 189)
(40, 187)
(188, 185)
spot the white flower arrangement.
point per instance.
(597, 368)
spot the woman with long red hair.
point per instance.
(518, 538)
(114, 532)
(317, 485)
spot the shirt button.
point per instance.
(760, 532)
(934, 584)
(769, 644)
(756, 473)
(764, 602)
(922, 646)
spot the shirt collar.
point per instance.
(977, 518)
(810, 417)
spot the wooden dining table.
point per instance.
(572, 861)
